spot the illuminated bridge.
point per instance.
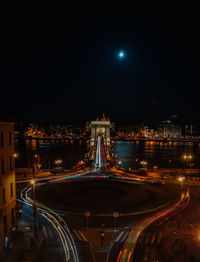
(100, 143)
(100, 155)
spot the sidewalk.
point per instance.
(25, 245)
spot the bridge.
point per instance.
(100, 155)
(100, 142)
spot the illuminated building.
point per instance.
(169, 130)
(7, 183)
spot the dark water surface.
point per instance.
(70, 152)
(130, 154)
(164, 155)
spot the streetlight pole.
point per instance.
(187, 159)
(181, 179)
(87, 214)
(34, 208)
(115, 215)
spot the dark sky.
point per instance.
(60, 67)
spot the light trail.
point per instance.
(56, 220)
(126, 254)
(99, 154)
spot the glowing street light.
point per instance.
(155, 167)
(119, 162)
(15, 155)
(181, 179)
(143, 163)
(33, 182)
(187, 158)
(58, 162)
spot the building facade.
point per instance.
(169, 130)
(7, 183)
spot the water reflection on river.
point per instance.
(69, 151)
(161, 154)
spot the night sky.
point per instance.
(60, 68)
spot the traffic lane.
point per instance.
(52, 244)
(129, 246)
(116, 246)
(58, 223)
(52, 249)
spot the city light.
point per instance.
(143, 163)
(155, 167)
(187, 157)
(32, 181)
(58, 162)
(181, 179)
(15, 155)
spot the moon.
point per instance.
(121, 54)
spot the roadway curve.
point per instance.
(127, 253)
(57, 222)
(62, 229)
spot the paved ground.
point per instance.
(24, 245)
(102, 196)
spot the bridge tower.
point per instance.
(100, 128)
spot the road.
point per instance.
(72, 243)
(127, 253)
(54, 222)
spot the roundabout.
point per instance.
(101, 196)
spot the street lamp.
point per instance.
(144, 163)
(81, 162)
(181, 179)
(34, 207)
(15, 155)
(187, 158)
(87, 214)
(58, 162)
(155, 167)
(102, 240)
